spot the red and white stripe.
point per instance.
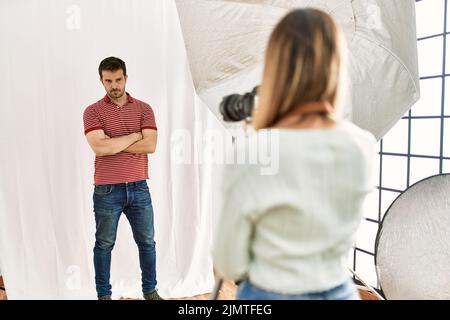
(117, 121)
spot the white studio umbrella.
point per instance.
(226, 40)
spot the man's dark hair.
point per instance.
(112, 64)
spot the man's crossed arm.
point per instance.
(138, 142)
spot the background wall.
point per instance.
(49, 55)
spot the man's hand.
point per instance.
(147, 143)
(139, 136)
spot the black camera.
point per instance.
(237, 107)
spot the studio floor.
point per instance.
(228, 292)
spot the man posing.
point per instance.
(121, 130)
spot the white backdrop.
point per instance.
(49, 54)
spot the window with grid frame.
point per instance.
(418, 146)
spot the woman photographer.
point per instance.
(288, 235)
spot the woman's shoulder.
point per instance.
(357, 143)
(358, 139)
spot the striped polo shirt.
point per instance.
(117, 121)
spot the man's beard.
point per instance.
(116, 94)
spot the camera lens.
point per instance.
(236, 107)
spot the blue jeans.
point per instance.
(133, 199)
(345, 291)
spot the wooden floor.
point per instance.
(228, 292)
(2, 292)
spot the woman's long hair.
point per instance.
(304, 63)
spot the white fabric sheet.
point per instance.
(49, 55)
